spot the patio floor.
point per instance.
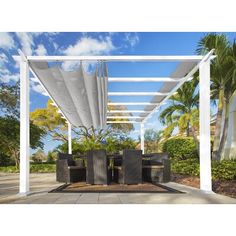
(41, 184)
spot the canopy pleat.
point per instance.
(82, 97)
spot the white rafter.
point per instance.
(128, 111)
(132, 103)
(143, 79)
(137, 94)
(147, 58)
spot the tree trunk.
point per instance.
(195, 140)
(218, 125)
(225, 131)
(188, 129)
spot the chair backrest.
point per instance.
(132, 166)
(158, 158)
(97, 167)
(68, 157)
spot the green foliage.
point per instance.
(124, 128)
(10, 137)
(9, 99)
(180, 148)
(34, 168)
(222, 170)
(179, 112)
(186, 167)
(111, 143)
(152, 138)
(52, 156)
(50, 120)
(39, 156)
(43, 168)
(5, 160)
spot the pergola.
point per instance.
(188, 65)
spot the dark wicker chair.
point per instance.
(130, 169)
(97, 171)
(68, 170)
(157, 168)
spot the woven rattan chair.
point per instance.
(68, 170)
(130, 170)
(97, 171)
(157, 168)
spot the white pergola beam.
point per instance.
(24, 127)
(142, 136)
(143, 79)
(132, 103)
(205, 137)
(208, 56)
(124, 117)
(137, 94)
(127, 111)
(122, 122)
(69, 138)
(147, 58)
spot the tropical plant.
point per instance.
(223, 82)
(182, 111)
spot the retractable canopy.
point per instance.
(80, 96)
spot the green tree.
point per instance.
(223, 82)
(180, 112)
(10, 137)
(119, 127)
(39, 156)
(9, 99)
(151, 137)
(50, 120)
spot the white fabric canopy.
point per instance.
(81, 97)
(182, 69)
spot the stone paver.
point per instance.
(41, 184)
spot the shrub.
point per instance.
(34, 168)
(180, 148)
(186, 167)
(222, 170)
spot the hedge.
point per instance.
(180, 148)
(224, 170)
(34, 168)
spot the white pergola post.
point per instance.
(69, 139)
(24, 127)
(142, 136)
(204, 108)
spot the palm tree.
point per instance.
(222, 82)
(181, 112)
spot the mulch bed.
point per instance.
(82, 187)
(224, 187)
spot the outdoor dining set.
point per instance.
(100, 168)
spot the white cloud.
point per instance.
(87, 46)
(41, 50)
(132, 39)
(6, 41)
(90, 46)
(3, 59)
(36, 86)
(26, 41)
(6, 76)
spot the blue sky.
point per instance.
(99, 44)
